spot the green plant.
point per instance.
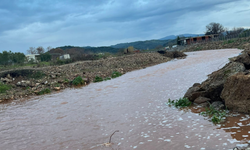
(98, 79)
(66, 81)
(4, 87)
(44, 91)
(108, 78)
(57, 85)
(27, 87)
(78, 81)
(181, 102)
(217, 116)
(116, 74)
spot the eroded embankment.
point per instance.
(229, 86)
(25, 82)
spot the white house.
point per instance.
(32, 56)
(65, 56)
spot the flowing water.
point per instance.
(134, 104)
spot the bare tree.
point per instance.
(48, 48)
(40, 50)
(214, 28)
(32, 50)
(235, 31)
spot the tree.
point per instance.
(235, 31)
(49, 48)
(32, 50)
(40, 50)
(214, 28)
(45, 57)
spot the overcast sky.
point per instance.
(33, 23)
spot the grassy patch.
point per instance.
(217, 116)
(108, 78)
(4, 87)
(182, 102)
(116, 74)
(98, 79)
(44, 91)
(78, 81)
(198, 48)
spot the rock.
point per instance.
(1, 101)
(6, 80)
(236, 93)
(206, 104)
(217, 105)
(193, 92)
(37, 84)
(244, 58)
(9, 77)
(57, 88)
(53, 76)
(212, 87)
(201, 99)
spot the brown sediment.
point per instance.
(138, 111)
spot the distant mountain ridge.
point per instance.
(175, 36)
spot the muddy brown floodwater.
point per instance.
(134, 104)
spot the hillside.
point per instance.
(181, 35)
(149, 44)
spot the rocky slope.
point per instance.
(229, 86)
(27, 82)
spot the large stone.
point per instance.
(217, 105)
(212, 87)
(236, 93)
(244, 58)
(201, 99)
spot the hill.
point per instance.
(181, 35)
(149, 44)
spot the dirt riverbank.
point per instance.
(31, 81)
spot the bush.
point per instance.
(44, 91)
(108, 78)
(4, 87)
(182, 102)
(98, 79)
(116, 74)
(78, 81)
(217, 116)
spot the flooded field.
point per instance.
(134, 104)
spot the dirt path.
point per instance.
(134, 104)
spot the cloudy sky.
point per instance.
(33, 23)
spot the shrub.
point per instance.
(182, 102)
(217, 116)
(44, 91)
(108, 78)
(4, 87)
(116, 74)
(78, 81)
(98, 79)
(174, 54)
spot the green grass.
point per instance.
(116, 74)
(98, 79)
(44, 91)
(78, 81)
(4, 87)
(217, 116)
(181, 102)
(108, 78)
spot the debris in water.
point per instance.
(109, 143)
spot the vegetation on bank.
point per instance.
(44, 91)
(179, 103)
(217, 116)
(78, 81)
(4, 87)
